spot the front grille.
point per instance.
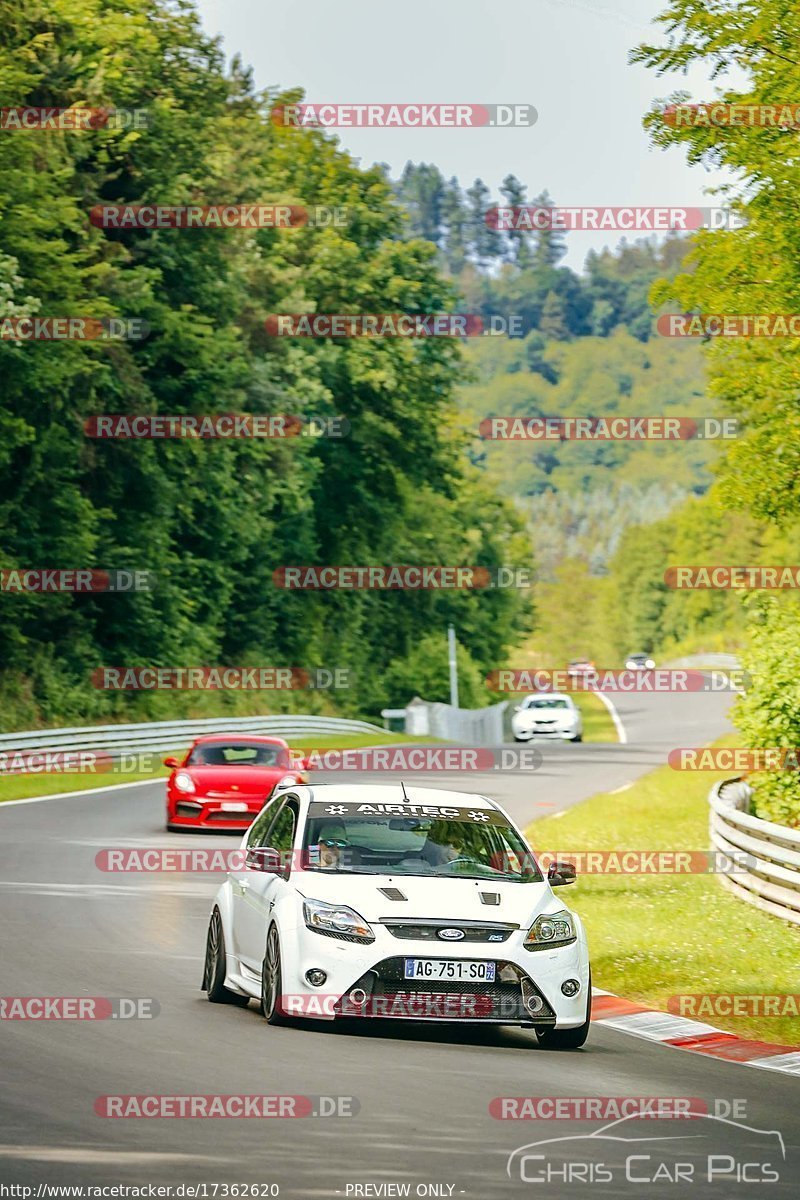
(389, 994)
(217, 815)
(428, 931)
(187, 810)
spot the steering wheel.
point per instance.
(462, 858)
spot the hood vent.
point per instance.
(490, 897)
(392, 893)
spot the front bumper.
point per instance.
(185, 812)
(526, 989)
(528, 733)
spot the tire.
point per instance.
(578, 738)
(214, 969)
(567, 1039)
(271, 981)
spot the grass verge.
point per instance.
(597, 723)
(656, 936)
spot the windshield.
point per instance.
(238, 754)
(474, 844)
(547, 702)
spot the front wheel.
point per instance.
(578, 738)
(567, 1039)
(214, 970)
(272, 981)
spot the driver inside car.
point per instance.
(443, 845)
(334, 848)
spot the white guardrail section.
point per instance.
(470, 726)
(156, 736)
(772, 879)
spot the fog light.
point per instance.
(316, 977)
(570, 987)
(358, 997)
(534, 1004)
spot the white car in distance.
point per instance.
(387, 901)
(547, 715)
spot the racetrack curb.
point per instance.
(683, 1033)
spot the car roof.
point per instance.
(392, 793)
(239, 737)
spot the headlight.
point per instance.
(649, 664)
(184, 782)
(288, 781)
(336, 920)
(557, 929)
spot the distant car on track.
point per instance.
(547, 714)
(366, 901)
(639, 662)
(224, 780)
(580, 667)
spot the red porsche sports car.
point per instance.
(224, 780)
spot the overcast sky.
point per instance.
(566, 57)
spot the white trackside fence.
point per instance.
(769, 876)
(157, 736)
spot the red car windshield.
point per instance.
(238, 754)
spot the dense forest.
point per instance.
(413, 480)
(212, 520)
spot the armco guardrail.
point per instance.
(156, 736)
(772, 878)
(472, 726)
(711, 661)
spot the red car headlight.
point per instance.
(184, 782)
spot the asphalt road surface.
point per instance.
(424, 1092)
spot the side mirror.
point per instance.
(561, 873)
(263, 858)
(517, 708)
(303, 764)
(171, 761)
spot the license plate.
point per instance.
(231, 806)
(448, 968)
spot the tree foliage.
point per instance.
(750, 47)
(212, 520)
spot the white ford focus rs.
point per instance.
(394, 902)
